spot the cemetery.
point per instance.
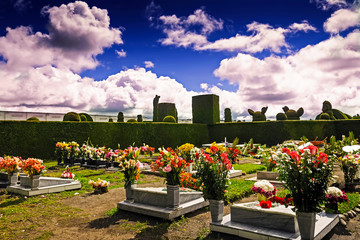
(282, 179)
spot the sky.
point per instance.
(103, 57)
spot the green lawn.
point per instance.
(249, 168)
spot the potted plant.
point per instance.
(264, 189)
(60, 151)
(334, 196)
(33, 168)
(306, 174)
(213, 171)
(170, 165)
(349, 165)
(11, 166)
(100, 186)
(129, 163)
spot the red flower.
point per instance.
(313, 149)
(265, 204)
(295, 156)
(322, 157)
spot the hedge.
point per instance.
(205, 109)
(38, 139)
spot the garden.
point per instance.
(312, 176)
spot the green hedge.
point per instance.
(205, 109)
(38, 139)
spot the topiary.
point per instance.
(72, 117)
(281, 116)
(357, 116)
(324, 116)
(227, 114)
(333, 113)
(166, 109)
(131, 120)
(139, 118)
(88, 117)
(169, 119)
(258, 116)
(111, 120)
(33, 119)
(83, 118)
(120, 117)
(292, 114)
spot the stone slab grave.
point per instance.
(249, 220)
(47, 185)
(272, 177)
(4, 180)
(154, 202)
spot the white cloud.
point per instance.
(121, 53)
(149, 64)
(342, 19)
(182, 32)
(204, 86)
(327, 4)
(326, 71)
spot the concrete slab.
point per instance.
(275, 182)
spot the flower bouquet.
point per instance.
(67, 173)
(264, 189)
(146, 150)
(32, 167)
(349, 165)
(129, 163)
(10, 164)
(184, 152)
(100, 186)
(334, 196)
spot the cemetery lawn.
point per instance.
(81, 214)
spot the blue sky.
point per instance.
(111, 56)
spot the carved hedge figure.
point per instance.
(331, 112)
(292, 114)
(227, 114)
(155, 108)
(258, 116)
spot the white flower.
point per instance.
(334, 191)
(351, 149)
(264, 185)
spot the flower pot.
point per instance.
(129, 191)
(306, 222)
(116, 164)
(173, 196)
(12, 178)
(99, 190)
(216, 210)
(331, 208)
(261, 197)
(32, 182)
(189, 168)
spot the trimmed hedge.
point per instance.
(205, 109)
(38, 139)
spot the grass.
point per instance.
(354, 200)
(239, 189)
(249, 168)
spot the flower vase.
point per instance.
(216, 210)
(173, 196)
(129, 191)
(13, 178)
(261, 197)
(32, 182)
(306, 222)
(331, 208)
(59, 160)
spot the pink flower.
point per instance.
(139, 165)
(312, 149)
(167, 168)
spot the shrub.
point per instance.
(227, 114)
(169, 119)
(120, 117)
(72, 117)
(111, 120)
(205, 109)
(88, 117)
(33, 119)
(83, 118)
(139, 118)
(281, 116)
(325, 116)
(131, 120)
(166, 109)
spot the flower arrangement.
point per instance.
(213, 172)
(100, 186)
(264, 188)
(233, 154)
(184, 151)
(170, 165)
(10, 164)
(287, 200)
(60, 150)
(67, 173)
(306, 174)
(335, 195)
(265, 204)
(129, 163)
(32, 166)
(349, 165)
(187, 181)
(146, 150)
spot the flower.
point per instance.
(167, 168)
(349, 165)
(335, 195)
(32, 166)
(129, 163)
(185, 152)
(67, 173)
(10, 164)
(100, 185)
(265, 204)
(265, 188)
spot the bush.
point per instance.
(83, 118)
(72, 117)
(120, 117)
(33, 119)
(170, 119)
(166, 109)
(131, 120)
(88, 117)
(111, 120)
(281, 116)
(205, 109)
(139, 118)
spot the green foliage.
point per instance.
(324, 116)
(249, 168)
(333, 113)
(72, 117)
(131, 120)
(111, 120)
(354, 200)
(292, 114)
(33, 119)
(170, 119)
(227, 114)
(239, 189)
(167, 109)
(120, 117)
(139, 118)
(88, 117)
(357, 116)
(83, 118)
(281, 116)
(259, 115)
(205, 109)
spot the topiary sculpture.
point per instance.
(88, 117)
(292, 114)
(83, 118)
(227, 114)
(281, 116)
(120, 117)
(72, 117)
(111, 120)
(357, 116)
(139, 118)
(131, 120)
(169, 119)
(155, 108)
(324, 116)
(333, 113)
(33, 119)
(258, 116)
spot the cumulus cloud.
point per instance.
(342, 19)
(327, 4)
(149, 64)
(121, 53)
(328, 70)
(193, 31)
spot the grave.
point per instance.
(249, 220)
(154, 202)
(47, 185)
(272, 177)
(4, 180)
